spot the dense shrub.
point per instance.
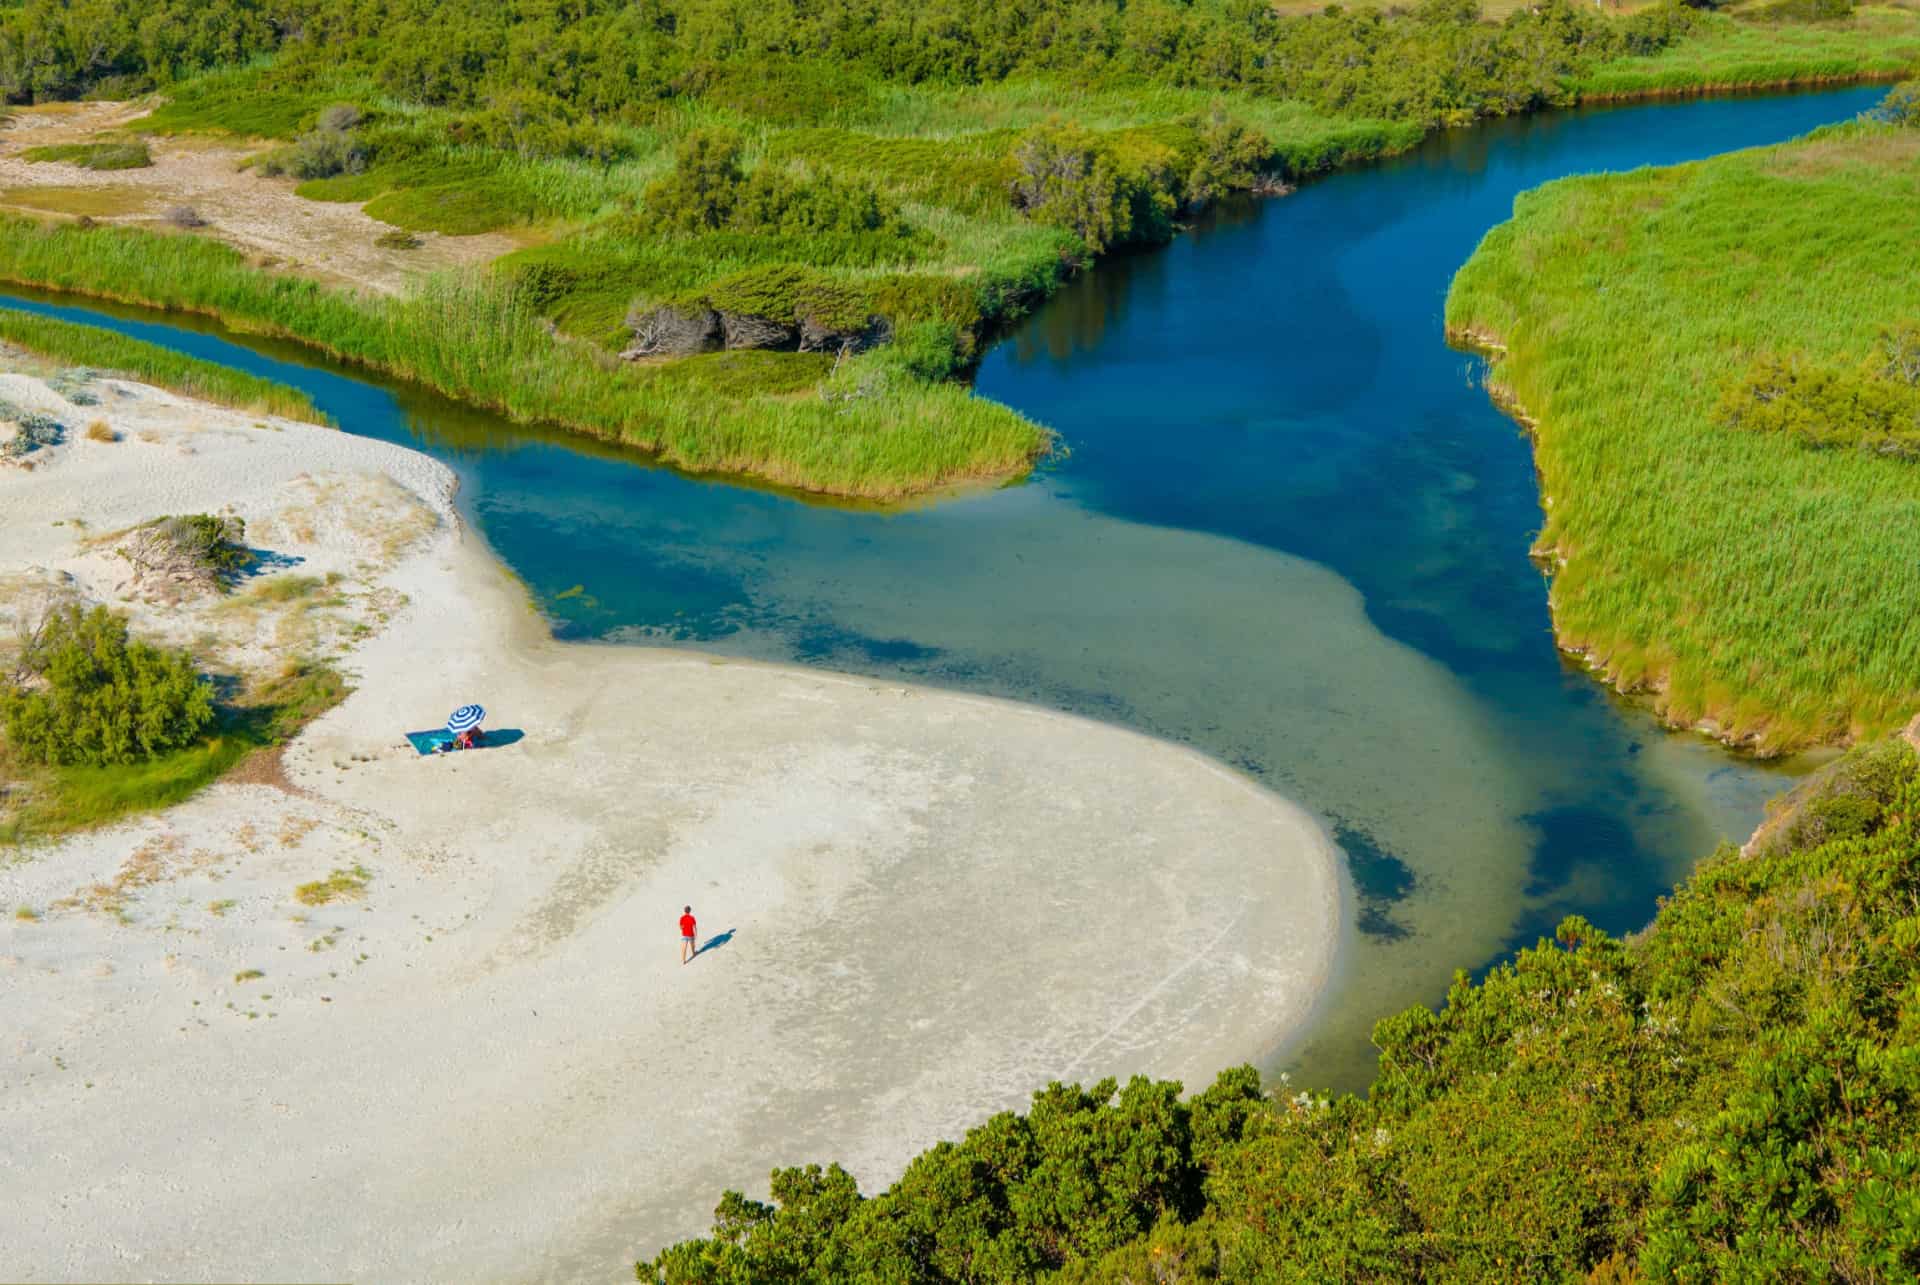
(1901, 106)
(1068, 177)
(1831, 406)
(698, 194)
(1227, 157)
(706, 190)
(29, 431)
(86, 693)
(1804, 11)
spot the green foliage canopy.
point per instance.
(88, 693)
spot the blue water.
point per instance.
(1290, 529)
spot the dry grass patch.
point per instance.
(149, 863)
(341, 885)
(1817, 158)
(77, 202)
(101, 431)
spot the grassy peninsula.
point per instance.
(1718, 364)
(773, 243)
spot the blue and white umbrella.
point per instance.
(464, 717)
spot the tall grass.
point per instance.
(477, 339)
(76, 345)
(1746, 578)
(1879, 43)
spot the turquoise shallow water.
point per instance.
(1290, 530)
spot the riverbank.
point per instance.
(429, 1011)
(1752, 580)
(853, 237)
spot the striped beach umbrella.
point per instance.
(464, 717)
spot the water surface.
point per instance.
(1290, 530)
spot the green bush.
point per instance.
(1804, 11)
(328, 149)
(1064, 176)
(31, 431)
(699, 192)
(1828, 406)
(86, 693)
(1901, 106)
(1228, 157)
(706, 191)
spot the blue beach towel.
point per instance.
(430, 742)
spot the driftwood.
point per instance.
(667, 331)
(746, 331)
(194, 554)
(817, 337)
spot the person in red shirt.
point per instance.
(687, 948)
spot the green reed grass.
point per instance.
(1730, 54)
(76, 345)
(1748, 579)
(478, 339)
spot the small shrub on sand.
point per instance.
(341, 885)
(27, 915)
(72, 384)
(248, 975)
(185, 216)
(196, 551)
(398, 239)
(31, 431)
(101, 431)
(85, 693)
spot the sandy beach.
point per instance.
(483, 1060)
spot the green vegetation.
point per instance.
(82, 691)
(481, 338)
(30, 431)
(49, 801)
(698, 177)
(1683, 337)
(1774, 51)
(94, 156)
(341, 885)
(1732, 1094)
(66, 342)
(197, 550)
(248, 975)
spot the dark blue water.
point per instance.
(1290, 530)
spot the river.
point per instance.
(1289, 529)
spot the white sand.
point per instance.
(493, 1066)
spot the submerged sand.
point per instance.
(490, 1064)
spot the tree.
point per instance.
(1063, 176)
(87, 693)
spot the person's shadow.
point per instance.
(714, 943)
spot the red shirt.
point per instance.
(686, 925)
